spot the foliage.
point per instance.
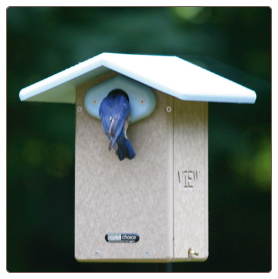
(234, 42)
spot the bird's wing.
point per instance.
(119, 113)
(104, 113)
(113, 114)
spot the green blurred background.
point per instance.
(233, 42)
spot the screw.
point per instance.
(147, 254)
(94, 101)
(97, 253)
(191, 252)
(142, 101)
(79, 109)
(168, 109)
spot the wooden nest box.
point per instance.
(153, 208)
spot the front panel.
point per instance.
(132, 199)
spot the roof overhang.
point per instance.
(169, 74)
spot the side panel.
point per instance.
(190, 180)
(129, 196)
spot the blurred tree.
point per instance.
(234, 42)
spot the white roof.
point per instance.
(169, 74)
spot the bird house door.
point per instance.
(125, 210)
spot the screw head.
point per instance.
(142, 101)
(79, 109)
(147, 254)
(168, 109)
(94, 101)
(97, 253)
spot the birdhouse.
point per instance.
(153, 208)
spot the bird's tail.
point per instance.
(125, 149)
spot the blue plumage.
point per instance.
(114, 113)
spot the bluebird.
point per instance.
(114, 112)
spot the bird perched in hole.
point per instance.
(114, 112)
